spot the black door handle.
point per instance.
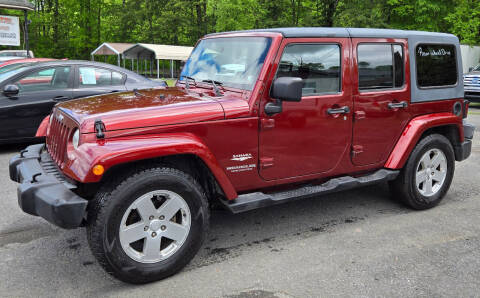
(342, 110)
(61, 98)
(397, 105)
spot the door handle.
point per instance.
(113, 91)
(342, 110)
(61, 98)
(397, 105)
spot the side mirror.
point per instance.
(470, 69)
(10, 90)
(287, 89)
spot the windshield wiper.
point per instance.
(187, 84)
(215, 83)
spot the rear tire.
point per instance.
(130, 217)
(427, 175)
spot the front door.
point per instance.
(305, 138)
(381, 98)
(40, 90)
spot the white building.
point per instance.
(470, 56)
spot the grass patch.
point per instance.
(170, 82)
(474, 108)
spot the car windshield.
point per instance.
(9, 67)
(476, 68)
(233, 61)
(12, 72)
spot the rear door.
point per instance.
(304, 138)
(40, 90)
(382, 98)
(93, 80)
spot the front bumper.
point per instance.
(472, 96)
(463, 150)
(44, 191)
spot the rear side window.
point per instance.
(317, 64)
(436, 65)
(380, 66)
(93, 77)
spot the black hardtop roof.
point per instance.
(345, 32)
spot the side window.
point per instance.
(92, 77)
(45, 79)
(317, 64)
(436, 65)
(380, 66)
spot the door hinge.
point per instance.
(357, 149)
(266, 162)
(267, 123)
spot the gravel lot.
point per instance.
(355, 243)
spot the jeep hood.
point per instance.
(144, 108)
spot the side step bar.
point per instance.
(256, 200)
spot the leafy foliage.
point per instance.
(73, 28)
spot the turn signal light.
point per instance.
(98, 170)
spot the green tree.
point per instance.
(464, 21)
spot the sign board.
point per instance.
(9, 31)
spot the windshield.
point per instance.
(476, 68)
(234, 61)
(8, 74)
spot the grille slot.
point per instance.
(57, 140)
(50, 167)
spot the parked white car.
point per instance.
(14, 54)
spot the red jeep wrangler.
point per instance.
(257, 118)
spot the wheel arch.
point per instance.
(446, 124)
(184, 152)
(188, 163)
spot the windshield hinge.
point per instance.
(100, 129)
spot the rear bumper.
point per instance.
(463, 150)
(44, 191)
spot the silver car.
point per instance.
(471, 82)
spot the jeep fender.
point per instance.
(42, 128)
(413, 132)
(117, 151)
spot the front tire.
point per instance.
(149, 225)
(427, 175)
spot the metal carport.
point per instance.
(110, 49)
(157, 52)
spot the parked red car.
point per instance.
(258, 118)
(11, 64)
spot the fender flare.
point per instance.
(117, 151)
(413, 132)
(42, 128)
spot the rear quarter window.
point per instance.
(436, 65)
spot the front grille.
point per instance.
(471, 80)
(57, 139)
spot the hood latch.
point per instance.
(100, 129)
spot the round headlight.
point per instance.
(76, 138)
